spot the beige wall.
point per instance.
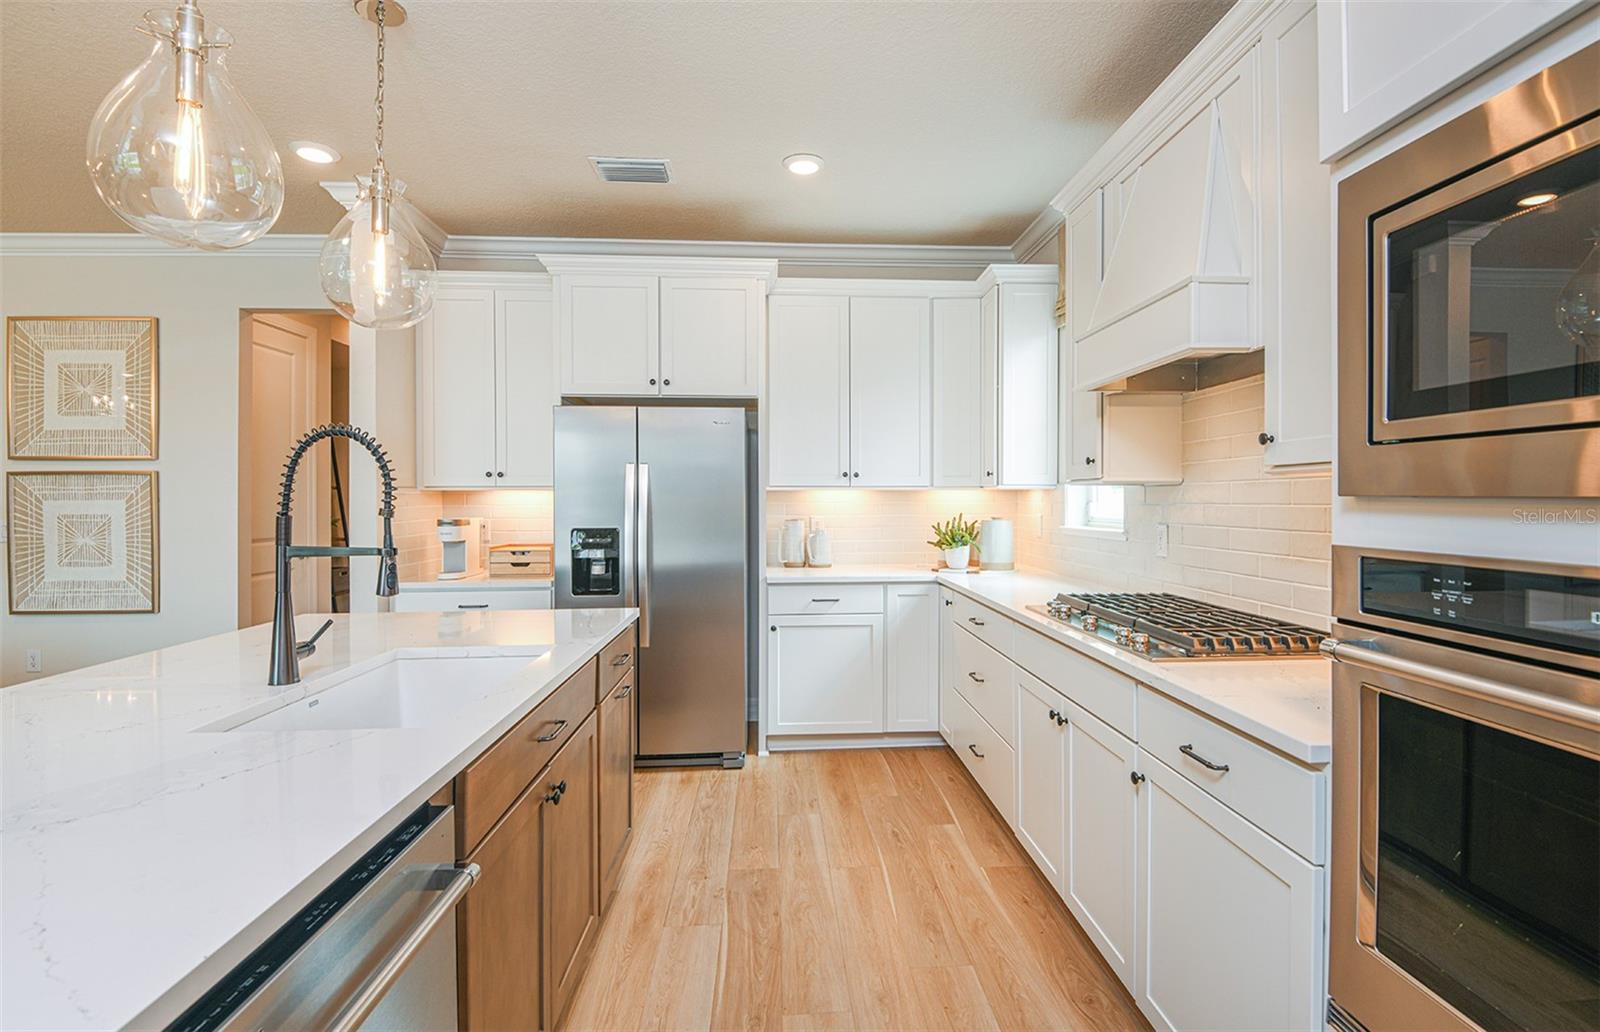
(198, 301)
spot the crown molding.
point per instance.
(801, 286)
(917, 256)
(765, 269)
(1018, 274)
(433, 234)
(96, 245)
(1041, 231)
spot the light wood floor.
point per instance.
(862, 889)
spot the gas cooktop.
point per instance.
(1163, 626)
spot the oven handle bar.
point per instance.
(1532, 702)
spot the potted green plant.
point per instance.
(955, 538)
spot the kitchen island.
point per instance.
(148, 842)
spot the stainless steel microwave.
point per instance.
(1469, 301)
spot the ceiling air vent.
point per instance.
(632, 170)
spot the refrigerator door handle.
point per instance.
(629, 526)
(644, 555)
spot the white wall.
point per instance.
(197, 301)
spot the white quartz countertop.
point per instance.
(478, 582)
(144, 858)
(1286, 704)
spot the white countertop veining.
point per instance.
(1286, 704)
(143, 858)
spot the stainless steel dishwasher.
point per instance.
(375, 950)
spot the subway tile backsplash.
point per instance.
(515, 517)
(881, 527)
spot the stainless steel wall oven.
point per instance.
(1465, 872)
(1469, 301)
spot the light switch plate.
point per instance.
(33, 661)
(1162, 540)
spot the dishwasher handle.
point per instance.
(372, 990)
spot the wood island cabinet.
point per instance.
(569, 850)
(616, 783)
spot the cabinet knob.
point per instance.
(652, 381)
(773, 627)
(488, 474)
(1135, 777)
(500, 474)
(988, 473)
(948, 602)
(666, 383)
(1264, 438)
(845, 474)
(856, 475)
(1088, 460)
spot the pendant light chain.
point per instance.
(378, 100)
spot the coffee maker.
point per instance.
(461, 545)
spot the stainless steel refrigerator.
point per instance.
(652, 510)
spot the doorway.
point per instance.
(294, 375)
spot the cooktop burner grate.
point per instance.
(1190, 626)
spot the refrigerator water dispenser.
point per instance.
(594, 561)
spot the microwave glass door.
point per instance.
(1487, 298)
(1487, 866)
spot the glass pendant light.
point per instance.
(376, 267)
(174, 150)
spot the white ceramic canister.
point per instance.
(997, 547)
(819, 546)
(792, 546)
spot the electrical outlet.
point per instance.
(33, 661)
(1162, 540)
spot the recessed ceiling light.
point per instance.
(316, 153)
(1534, 200)
(803, 164)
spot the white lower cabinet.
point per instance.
(1042, 775)
(1232, 921)
(1099, 883)
(825, 674)
(911, 692)
(451, 600)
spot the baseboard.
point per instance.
(902, 740)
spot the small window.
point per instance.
(1093, 507)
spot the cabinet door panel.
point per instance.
(989, 377)
(1084, 422)
(911, 697)
(616, 781)
(710, 337)
(825, 674)
(1102, 838)
(571, 880)
(1085, 261)
(959, 382)
(890, 392)
(1041, 776)
(1232, 926)
(609, 334)
(456, 398)
(497, 924)
(1296, 258)
(1028, 385)
(808, 392)
(525, 388)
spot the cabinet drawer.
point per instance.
(451, 601)
(616, 659)
(1284, 799)
(1094, 686)
(987, 624)
(494, 780)
(810, 599)
(986, 755)
(984, 678)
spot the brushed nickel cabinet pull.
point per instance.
(824, 600)
(621, 660)
(1188, 750)
(552, 736)
(624, 693)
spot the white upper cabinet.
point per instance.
(1086, 232)
(525, 394)
(890, 394)
(609, 334)
(1296, 246)
(1019, 314)
(808, 391)
(963, 396)
(1379, 62)
(659, 327)
(486, 383)
(710, 336)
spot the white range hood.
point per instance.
(1179, 247)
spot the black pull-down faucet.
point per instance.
(285, 668)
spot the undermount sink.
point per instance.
(403, 692)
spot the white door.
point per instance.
(609, 334)
(891, 419)
(525, 388)
(989, 377)
(1296, 252)
(959, 459)
(947, 660)
(710, 337)
(1028, 388)
(1042, 775)
(283, 407)
(808, 391)
(1080, 459)
(912, 690)
(1232, 935)
(456, 388)
(1102, 825)
(825, 674)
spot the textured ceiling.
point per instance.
(943, 123)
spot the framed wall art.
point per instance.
(81, 387)
(83, 542)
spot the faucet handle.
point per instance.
(307, 647)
